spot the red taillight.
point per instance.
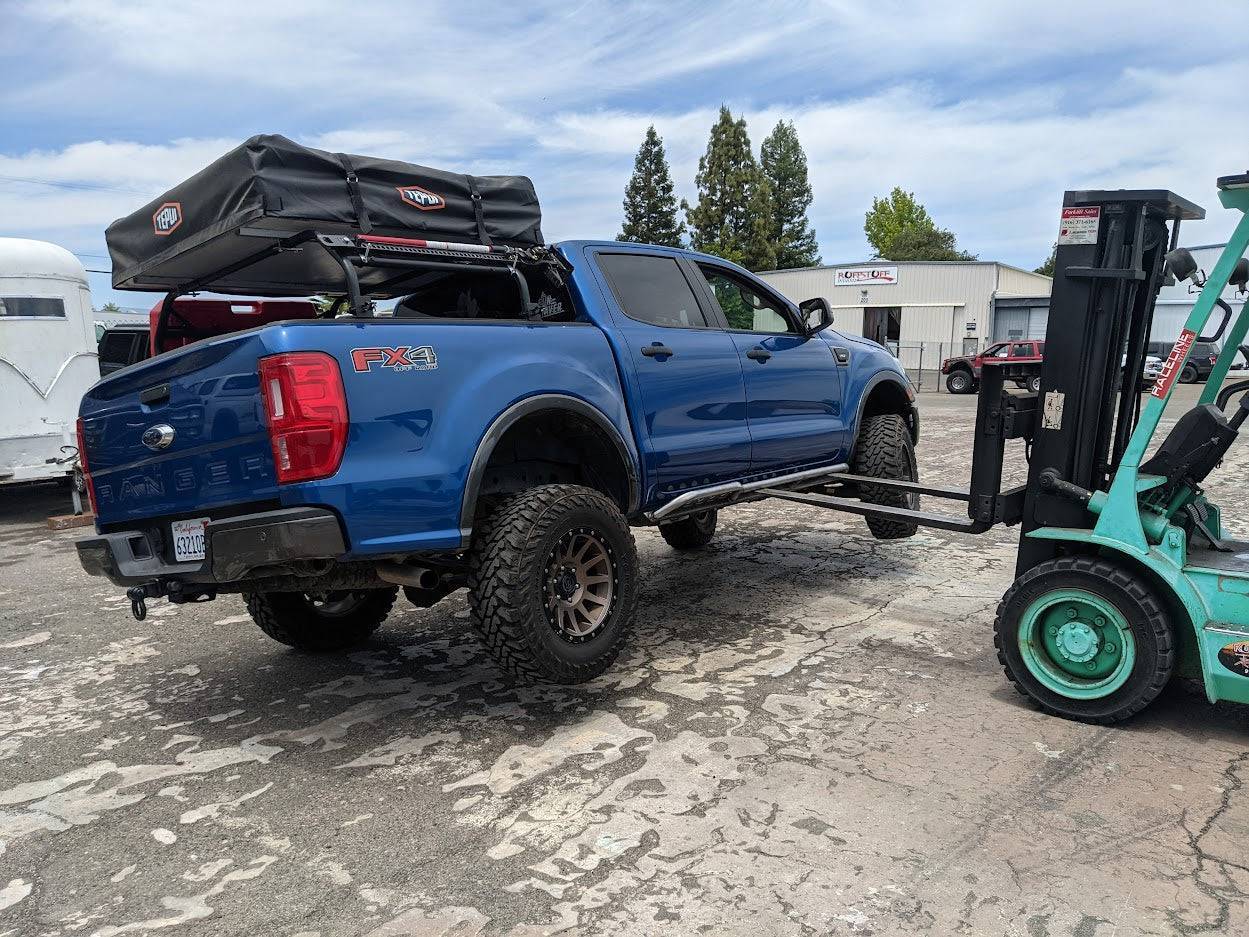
(86, 473)
(307, 413)
(1214, 358)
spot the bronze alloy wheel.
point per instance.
(580, 585)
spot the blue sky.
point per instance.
(986, 110)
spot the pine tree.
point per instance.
(650, 207)
(785, 165)
(733, 216)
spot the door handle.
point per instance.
(759, 353)
(659, 348)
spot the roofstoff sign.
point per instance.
(866, 276)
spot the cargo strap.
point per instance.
(357, 198)
(475, 196)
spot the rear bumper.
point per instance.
(234, 548)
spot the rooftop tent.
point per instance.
(221, 228)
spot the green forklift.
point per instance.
(1124, 576)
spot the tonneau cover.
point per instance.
(270, 189)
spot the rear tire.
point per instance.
(690, 533)
(553, 584)
(1190, 374)
(1034, 384)
(885, 450)
(1084, 639)
(960, 382)
(318, 622)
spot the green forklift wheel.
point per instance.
(1084, 639)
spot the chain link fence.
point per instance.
(922, 363)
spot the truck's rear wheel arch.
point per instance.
(885, 393)
(566, 435)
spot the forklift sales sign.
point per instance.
(1079, 225)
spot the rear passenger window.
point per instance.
(653, 289)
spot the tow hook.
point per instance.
(137, 596)
(175, 591)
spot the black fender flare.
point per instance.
(518, 411)
(912, 418)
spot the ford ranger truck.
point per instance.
(484, 437)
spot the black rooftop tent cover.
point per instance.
(269, 190)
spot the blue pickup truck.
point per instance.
(502, 430)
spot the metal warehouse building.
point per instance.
(925, 310)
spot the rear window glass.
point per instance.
(117, 348)
(31, 307)
(653, 289)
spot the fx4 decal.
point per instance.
(402, 358)
(421, 198)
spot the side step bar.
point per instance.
(724, 493)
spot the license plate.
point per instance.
(188, 539)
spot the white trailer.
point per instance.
(47, 358)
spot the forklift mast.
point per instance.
(1108, 270)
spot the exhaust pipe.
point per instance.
(404, 574)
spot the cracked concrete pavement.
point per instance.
(809, 734)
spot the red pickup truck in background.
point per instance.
(963, 373)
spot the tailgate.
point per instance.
(181, 434)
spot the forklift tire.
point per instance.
(318, 622)
(960, 382)
(692, 532)
(1085, 639)
(885, 450)
(553, 584)
(1190, 374)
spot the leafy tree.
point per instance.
(784, 164)
(1047, 268)
(650, 207)
(890, 215)
(918, 242)
(734, 211)
(110, 307)
(899, 228)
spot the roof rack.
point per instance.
(372, 266)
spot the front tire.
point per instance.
(553, 584)
(1084, 639)
(885, 450)
(320, 621)
(960, 382)
(692, 532)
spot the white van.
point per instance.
(47, 358)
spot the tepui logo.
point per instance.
(420, 198)
(167, 218)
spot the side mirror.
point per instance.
(817, 314)
(1240, 275)
(1180, 263)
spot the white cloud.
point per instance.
(988, 111)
